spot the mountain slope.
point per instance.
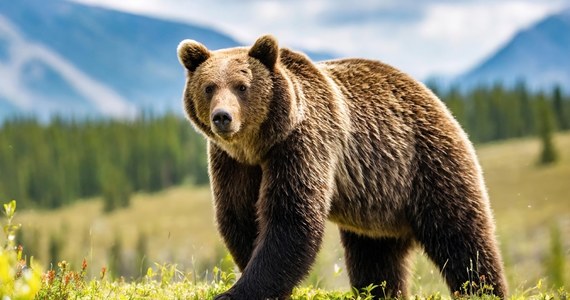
(538, 55)
(73, 59)
(123, 61)
(33, 74)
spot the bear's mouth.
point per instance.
(226, 135)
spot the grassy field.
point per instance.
(527, 200)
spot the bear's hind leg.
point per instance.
(375, 260)
(464, 248)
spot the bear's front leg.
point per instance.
(235, 188)
(292, 209)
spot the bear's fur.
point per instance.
(292, 143)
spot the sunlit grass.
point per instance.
(179, 223)
(171, 283)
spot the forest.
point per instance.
(48, 165)
(51, 165)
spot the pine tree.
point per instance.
(548, 154)
(480, 126)
(499, 119)
(526, 109)
(456, 104)
(560, 109)
(116, 189)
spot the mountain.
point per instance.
(73, 59)
(539, 55)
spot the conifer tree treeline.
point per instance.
(51, 165)
(492, 114)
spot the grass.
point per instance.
(178, 223)
(528, 201)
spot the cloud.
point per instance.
(420, 37)
(380, 13)
(474, 30)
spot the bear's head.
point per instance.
(229, 92)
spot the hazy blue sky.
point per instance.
(422, 37)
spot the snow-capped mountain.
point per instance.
(78, 60)
(539, 55)
(35, 77)
(72, 59)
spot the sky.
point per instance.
(421, 37)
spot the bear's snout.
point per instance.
(222, 119)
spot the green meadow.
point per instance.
(173, 232)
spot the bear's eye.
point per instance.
(209, 89)
(242, 87)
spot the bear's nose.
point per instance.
(221, 119)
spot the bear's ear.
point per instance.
(265, 50)
(191, 54)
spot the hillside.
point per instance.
(538, 55)
(77, 60)
(527, 201)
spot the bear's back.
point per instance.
(379, 150)
(369, 80)
(379, 95)
(393, 121)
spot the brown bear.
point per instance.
(292, 143)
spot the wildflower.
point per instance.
(103, 272)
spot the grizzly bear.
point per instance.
(292, 143)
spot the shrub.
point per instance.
(17, 280)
